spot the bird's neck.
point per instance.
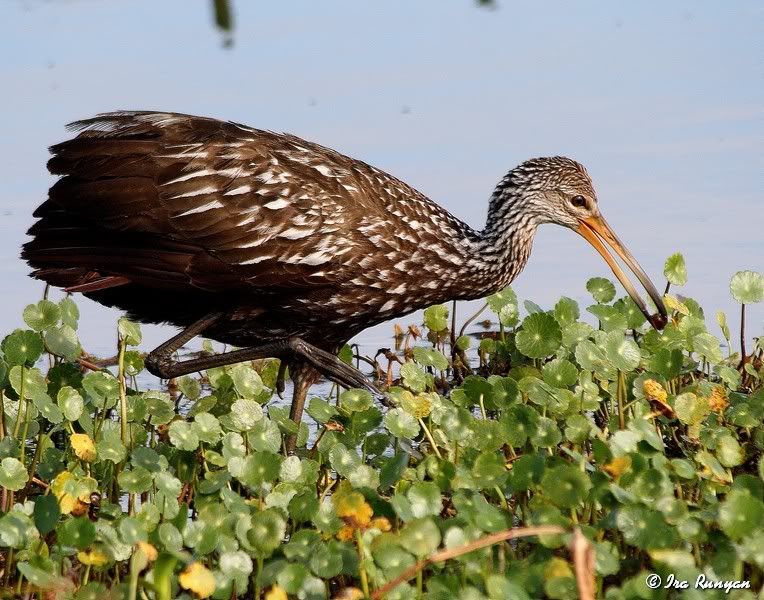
(504, 246)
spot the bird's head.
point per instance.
(559, 190)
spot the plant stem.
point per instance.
(742, 335)
(361, 568)
(132, 593)
(22, 402)
(482, 407)
(2, 414)
(257, 578)
(429, 438)
(619, 394)
(472, 318)
(123, 394)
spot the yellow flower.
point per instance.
(653, 389)
(149, 550)
(718, 400)
(674, 305)
(346, 533)
(83, 447)
(198, 579)
(617, 467)
(380, 523)
(349, 593)
(95, 557)
(276, 593)
(557, 567)
(72, 493)
(353, 509)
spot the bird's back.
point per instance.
(160, 204)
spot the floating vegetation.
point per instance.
(550, 458)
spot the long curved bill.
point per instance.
(596, 230)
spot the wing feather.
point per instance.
(251, 209)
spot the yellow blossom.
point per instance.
(83, 447)
(349, 593)
(674, 305)
(557, 567)
(718, 400)
(149, 550)
(276, 593)
(65, 487)
(617, 467)
(94, 557)
(353, 509)
(418, 406)
(346, 533)
(653, 389)
(380, 523)
(198, 579)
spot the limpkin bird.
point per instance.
(277, 245)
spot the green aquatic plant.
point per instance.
(549, 458)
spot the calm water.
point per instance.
(663, 103)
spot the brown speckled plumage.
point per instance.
(289, 237)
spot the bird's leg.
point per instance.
(303, 376)
(160, 362)
(280, 387)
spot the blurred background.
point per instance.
(661, 101)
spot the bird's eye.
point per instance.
(578, 201)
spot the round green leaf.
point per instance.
(13, 475)
(436, 317)
(601, 289)
(540, 336)
(740, 514)
(46, 513)
(267, 531)
(401, 424)
(246, 380)
(183, 436)
(560, 372)
(729, 452)
(41, 316)
(245, 414)
(129, 331)
(207, 428)
(22, 347)
(34, 384)
(70, 402)
(321, 410)
(430, 357)
(356, 400)
(135, 481)
(501, 299)
(547, 433)
(420, 537)
(566, 486)
(414, 377)
(170, 537)
(425, 499)
(62, 341)
(77, 533)
(70, 314)
(747, 287)
(675, 270)
(621, 352)
(132, 530)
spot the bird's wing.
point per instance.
(222, 204)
